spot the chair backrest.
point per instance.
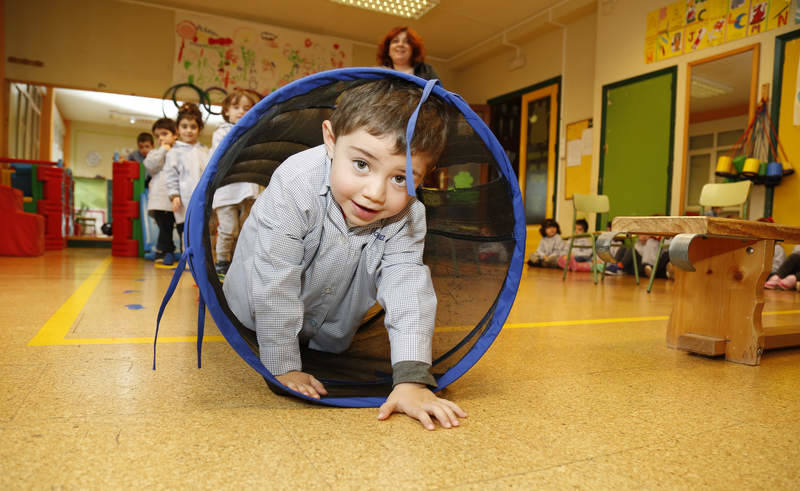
(590, 203)
(726, 194)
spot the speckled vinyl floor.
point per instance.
(564, 398)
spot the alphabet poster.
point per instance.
(686, 26)
(220, 52)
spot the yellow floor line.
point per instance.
(55, 330)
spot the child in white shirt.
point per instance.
(185, 164)
(232, 202)
(550, 248)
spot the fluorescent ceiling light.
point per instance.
(410, 9)
(703, 88)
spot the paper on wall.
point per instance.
(586, 140)
(574, 153)
(797, 96)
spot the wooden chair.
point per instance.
(598, 204)
(725, 194)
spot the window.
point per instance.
(25, 113)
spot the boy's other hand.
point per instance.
(418, 402)
(176, 204)
(303, 383)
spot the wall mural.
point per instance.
(686, 26)
(219, 52)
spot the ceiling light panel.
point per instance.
(409, 9)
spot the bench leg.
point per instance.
(719, 305)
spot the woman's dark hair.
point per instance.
(549, 223)
(414, 40)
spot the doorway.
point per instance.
(721, 98)
(526, 124)
(636, 147)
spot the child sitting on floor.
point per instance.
(551, 247)
(785, 276)
(581, 254)
(335, 231)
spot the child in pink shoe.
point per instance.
(785, 278)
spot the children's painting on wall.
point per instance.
(687, 26)
(219, 52)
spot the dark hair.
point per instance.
(414, 40)
(165, 124)
(144, 137)
(189, 110)
(383, 107)
(582, 221)
(547, 224)
(234, 98)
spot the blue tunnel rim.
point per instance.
(197, 242)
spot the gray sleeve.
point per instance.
(275, 278)
(405, 290)
(154, 161)
(412, 371)
(172, 174)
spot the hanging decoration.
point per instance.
(758, 154)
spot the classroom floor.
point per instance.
(579, 390)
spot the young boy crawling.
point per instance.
(334, 232)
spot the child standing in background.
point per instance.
(550, 248)
(232, 202)
(158, 204)
(144, 143)
(185, 163)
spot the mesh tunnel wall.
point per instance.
(474, 245)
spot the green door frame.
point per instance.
(673, 70)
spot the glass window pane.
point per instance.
(728, 138)
(698, 177)
(701, 141)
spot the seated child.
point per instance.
(334, 232)
(581, 254)
(159, 205)
(232, 202)
(185, 164)
(785, 277)
(551, 247)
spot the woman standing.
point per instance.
(403, 50)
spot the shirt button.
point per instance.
(313, 323)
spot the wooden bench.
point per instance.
(721, 265)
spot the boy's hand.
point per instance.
(418, 402)
(303, 383)
(176, 203)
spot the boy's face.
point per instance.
(164, 137)
(188, 130)
(579, 228)
(237, 110)
(144, 147)
(367, 178)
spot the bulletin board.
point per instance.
(578, 171)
